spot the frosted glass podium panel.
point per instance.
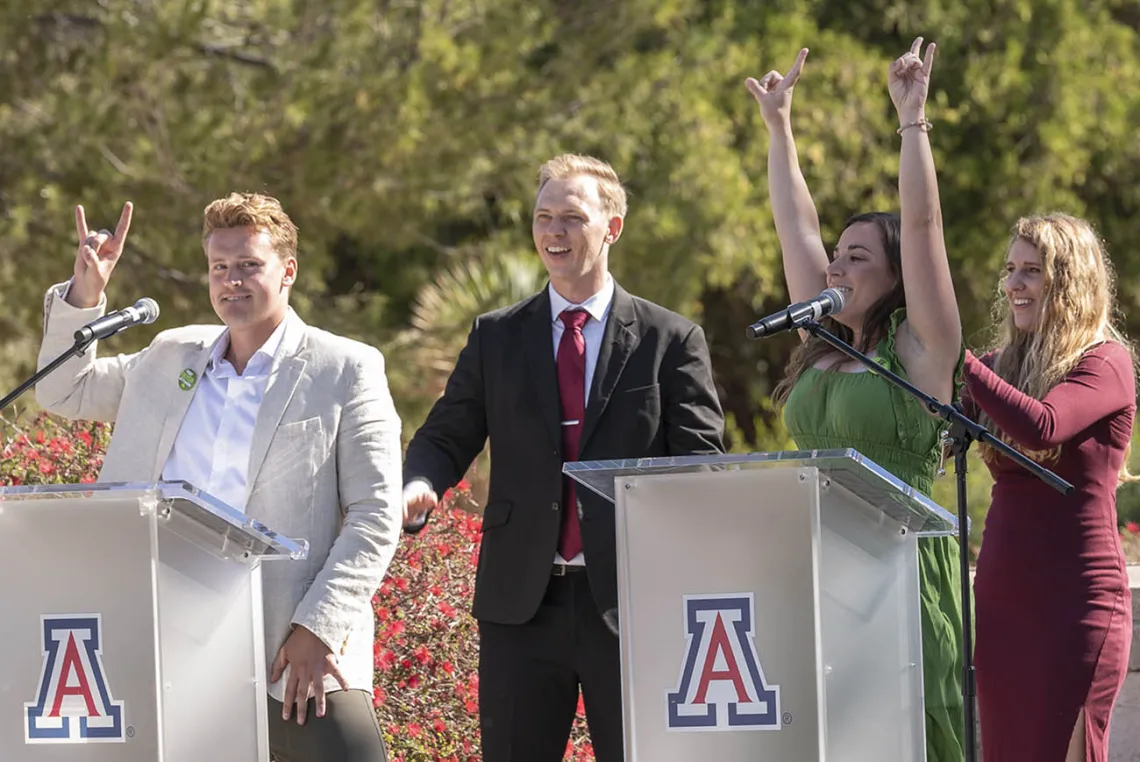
(768, 606)
(132, 624)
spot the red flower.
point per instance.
(60, 446)
(1133, 527)
(385, 660)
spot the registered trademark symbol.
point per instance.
(787, 718)
(131, 730)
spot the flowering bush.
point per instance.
(427, 653)
(46, 451)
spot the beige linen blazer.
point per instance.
(325, 462)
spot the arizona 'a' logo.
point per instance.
(73, 704)
(722, 685)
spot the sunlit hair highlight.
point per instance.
(610, 189)
(1078, 308)
(261, 212)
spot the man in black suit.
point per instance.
(547, 580)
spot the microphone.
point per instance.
(141, 312)
(830, 302)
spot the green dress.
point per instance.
(837, 410)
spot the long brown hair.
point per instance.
(877, 321)
(1078, 308)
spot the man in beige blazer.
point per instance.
(289, 423)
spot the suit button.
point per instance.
(554, 506)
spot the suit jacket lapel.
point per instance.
(618, 342)
(278, 392)
(538, 346)
(195, 358)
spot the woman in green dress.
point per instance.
(882, 264)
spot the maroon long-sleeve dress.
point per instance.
(1054, 612)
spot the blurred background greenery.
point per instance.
(404, 136)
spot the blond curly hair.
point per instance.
(1078, 311)
(256, 210)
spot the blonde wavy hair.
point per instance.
(1078, 307)
(256, 210)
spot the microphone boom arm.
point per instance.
(949, 413)
(144, 311)
(79, 347)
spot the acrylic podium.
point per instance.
(768, 606)
(130, 625)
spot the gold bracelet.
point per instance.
(922, 124)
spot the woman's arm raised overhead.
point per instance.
(932, 310)
(797, 223)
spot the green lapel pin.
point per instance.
(187, 379)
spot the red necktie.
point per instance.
(572, 391)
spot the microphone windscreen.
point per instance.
(835, 297)
(148, 308)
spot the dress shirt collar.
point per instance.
(284, 339)
(597, 305)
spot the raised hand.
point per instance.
(773, 91)
(96, 257)
(909, 81)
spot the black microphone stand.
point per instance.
(79, 347)
(963, 432)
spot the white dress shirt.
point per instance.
(213, 445)
(598, 306)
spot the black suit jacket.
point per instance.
(652, 395)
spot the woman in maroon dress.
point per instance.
(1054, 612)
